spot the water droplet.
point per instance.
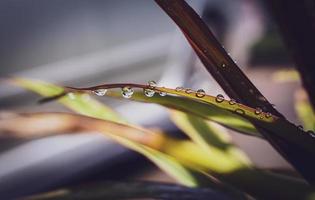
(232, 102)
(127, 92)
(300, 127)
(223, 65)
(258, 111)
(71, 95)
(162, 94)
(262, 98)
(251, 91)
(200, 93)
(239, 111)
(149, 92)
(311, 133)
(152, 84)
(273, 105)
(268, 114)
(100, 92)
(189, 91)
(219, 98)
(179, 89)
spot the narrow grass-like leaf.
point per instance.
(212, 138)
(91, 107)
(80, 103)
(187, 162)
(281, 128)
(220, 111)
(304, 110)
(143, 141)
(216, 142)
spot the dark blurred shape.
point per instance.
(296, 20)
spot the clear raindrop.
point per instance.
(311, 133)
(219, 98)
(232, 102)
(179, 89)
(127, 92)
(149, 92)
(258, 111)
(100, 92)
(268, 114)
(200, 93)
(189, 91)
(71, 95)
(239, 111)
(223, 65)
(162, 94)
(152, 84)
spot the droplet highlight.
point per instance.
(258, 111)
(71, 95)
(268, 115)
(239, 111)
(152, 84)
(311, 133)
(219, 98)
(200, 93)
(232, 102)
(162, 94)
(149, 92)
(127, 92)
(100, 92)
(179, 89)
(189, 91)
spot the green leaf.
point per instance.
(304, 110)
(143, 141)
(80, 103)
(84, 104)
(229, 163)
(213, 139)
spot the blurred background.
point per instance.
(89, 42)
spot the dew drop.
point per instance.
(179, 89)
(239, 111)
(258, 111)
(162, 94)
(100, 92)
(232, 102)
(189, 91)
(149, 92)
(71, 95)
(152, 84)
(268, 114)
(219, 98)
(200, 93)
(127, 92)
(223, 65)
(311, 133)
